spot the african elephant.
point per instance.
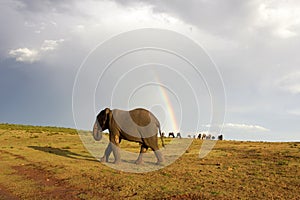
(138, 125)
(208, 136)
(171, 134)
(220, 137)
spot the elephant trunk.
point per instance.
(97, 131)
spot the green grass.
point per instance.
(51, 163)
(37, 129)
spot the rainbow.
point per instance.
(168, 105)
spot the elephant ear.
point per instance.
(103, 118)
(106, 118)
(107, 111)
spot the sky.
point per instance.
(254, 45)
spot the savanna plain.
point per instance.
(52, 163)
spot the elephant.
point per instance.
(199, 136)
(220, 137)
(208, 137)
(178, 135)
(137, 125)
(171, 134)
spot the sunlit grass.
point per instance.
(52, 163)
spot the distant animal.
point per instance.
(213, 137)
(220, 137)
(199, 136)
(163, 134)
(194, 136)
(208, 137)
(189, 136)
(178, 135)
(203, 136)
(138, 125)
(171, 134)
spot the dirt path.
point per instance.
(50, 187)
(6, 195)
(60, 189)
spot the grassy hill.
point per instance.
(52, 163)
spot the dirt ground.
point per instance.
(52, 163)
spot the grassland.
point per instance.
(52, 163)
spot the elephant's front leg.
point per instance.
(107, 153)
(142, 151)
(115, 146)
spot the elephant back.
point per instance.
(138, 122)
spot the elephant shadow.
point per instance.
(63, 152)
(133, 162)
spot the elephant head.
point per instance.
(101, 124)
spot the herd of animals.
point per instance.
(201, 136)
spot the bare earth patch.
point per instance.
(5, 194)
(46, 179)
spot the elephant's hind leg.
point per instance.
(157, 153)
(142, 151)
(159, 156)
(153, 144)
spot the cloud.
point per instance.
(44, 6)
(294, 112)
(24, 55)
(280, 17)
(253, 42)
(50, 45)
(27, 55)
(290, 83)
(229, 127)
(216, 17)
(245, 127)
(232, 19)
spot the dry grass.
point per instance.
(51, 163)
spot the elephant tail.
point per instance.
(161, 137)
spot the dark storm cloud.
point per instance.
(44, 6)
(35, 90)
(254, 43)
